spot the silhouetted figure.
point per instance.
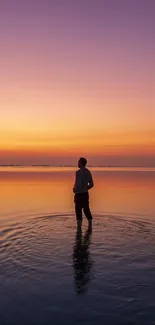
(83, 183)
(82, 262)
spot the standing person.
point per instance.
(83, 183)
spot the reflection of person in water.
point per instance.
(82, 263)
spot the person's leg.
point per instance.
(79, 224)
(78, 210)
(86, 209)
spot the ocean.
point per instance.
(52, 274)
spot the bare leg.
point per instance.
(88, 214)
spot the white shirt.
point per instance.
(83, 181)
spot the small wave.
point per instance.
(36, 221)
(31, 226)
(10, 232)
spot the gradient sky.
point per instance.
(77, 78)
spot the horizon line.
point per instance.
(67, 165)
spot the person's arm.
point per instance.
(74, 188)
(90, 182)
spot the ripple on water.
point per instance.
(46, 266)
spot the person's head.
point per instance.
(82, 162)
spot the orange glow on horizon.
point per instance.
(119, 143)
(73, 86)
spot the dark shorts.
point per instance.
(82, 203)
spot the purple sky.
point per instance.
(71, 68)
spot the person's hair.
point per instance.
(83, 161)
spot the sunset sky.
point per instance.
(77, 78)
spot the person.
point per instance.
(83, 183)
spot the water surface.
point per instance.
(50, 274)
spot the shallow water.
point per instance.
(50, 274)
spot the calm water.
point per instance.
(49, 274)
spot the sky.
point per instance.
(77, 78)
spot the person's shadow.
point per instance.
(82, 263)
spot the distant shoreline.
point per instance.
(74, 166)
